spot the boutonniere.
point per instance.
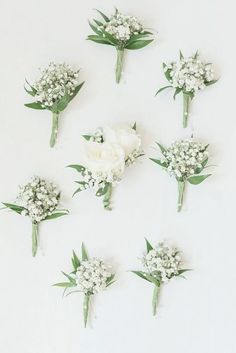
(107, 153)
(161, 264)
(122, 32)
(37, 200)
(185, 160)
(54, 90)
(89, 276)
(188, 76)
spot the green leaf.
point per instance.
(181, 55)
(196, 55)
(177, 91)
(167, 72)
(208, 83)
(75, 261)
(197, 179)
(200, 169)
(100, 40)
(134, 126)
(61, 104)
(71, 279)
(64, 284)
(109, 281)
(136, 37)
(87, 137)
(35, 105)
(107, 197)
(162, 89)
(102, 191)
(56, 215)
(141, 274)
(98, 22)
(148, 246)
(138, 44)
(157, 161)
(110, 38)
(162, 148)
(84, 253)
(13, 207)
(77, 167)
(94, 28)
(103, 15)
(76, 91)
(183, 270)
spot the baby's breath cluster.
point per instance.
(190, 74)
(39, 199)
(123, 27)
(184, 157)
(162, 262)
(56, 80)
(92, 276)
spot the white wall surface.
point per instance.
(195, 315)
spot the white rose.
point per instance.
(105, 159)
(127, 137)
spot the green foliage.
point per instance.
(197, 179)
(13, 207)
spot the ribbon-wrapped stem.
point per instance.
(34, 238)
(86, 308)
(155, 299)
(55, 116)
(186, 105)
(181, 187)
(119, 64)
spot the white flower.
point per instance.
(123, 27)
(105, 160)
(92, 276)
(190, 74)
(55, 81)
(184, 157)
(39, 198)
(127, 137)
(162, 262)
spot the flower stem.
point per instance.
(155, 299)
(119, 64)
(181, 187)
(107, 197)
(55, 116)
(34, 238)
(186, 103)
(86, 308)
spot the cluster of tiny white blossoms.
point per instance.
(184, 157)
(39, 198)
(92, 276)
(162, 262)
(123, 27)
(190, 74)
(55, 81)
(132, 157)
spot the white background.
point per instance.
(194, 315)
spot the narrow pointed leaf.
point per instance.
(84, 253)
(162, 89)
(103, 15)
(56, 215)
(159, 162)
(77, 167)
(13, 207)
(35, 105)
(197, 179)
(138, 44)
(148, 246)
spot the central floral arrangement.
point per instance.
(122, 32)
(107, 153)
